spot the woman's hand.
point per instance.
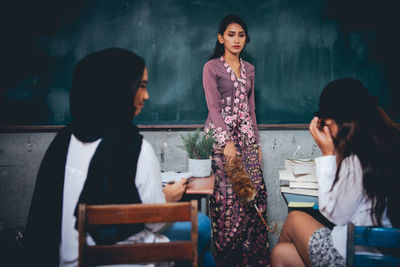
(322, 138)
(173, 192)
(259, 154)
(230, 152)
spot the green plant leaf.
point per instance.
(197, 144)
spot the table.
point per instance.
(198, 188)
(201, 186)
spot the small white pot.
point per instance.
(200, 167)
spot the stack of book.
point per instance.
(301, 188)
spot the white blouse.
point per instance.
(147, 181)
(347, 201)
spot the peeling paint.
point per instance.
(295, 152)
(162, 155)
(29, 144)
(29, 147)
(314, 150)
(274, 146)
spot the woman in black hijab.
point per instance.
(104, 99)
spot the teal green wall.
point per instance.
(296, 47)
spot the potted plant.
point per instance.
(199, 147)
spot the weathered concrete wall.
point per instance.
(21, 153)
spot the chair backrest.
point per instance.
(138, 252)
(377, 237)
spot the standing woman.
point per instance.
(240, 237)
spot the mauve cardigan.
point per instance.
(218, 86)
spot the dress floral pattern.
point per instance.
(240, 238)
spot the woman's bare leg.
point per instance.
(296, 233)
(285, 254)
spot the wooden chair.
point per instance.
(377, 237)
(138, 252)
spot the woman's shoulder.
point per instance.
(147, 151)
(248, 66)
(147, 155)
(352, 158)
(212, 64)
(146, 148)
(352, 164)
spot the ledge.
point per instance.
(172, 127)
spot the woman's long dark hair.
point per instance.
(219, 49)
(365, 130)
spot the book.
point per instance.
(299, 191)
(171, 177)
(300, 166)
(301, 184)
(289, 176)
(302, 189)
(297, 204)
(289, 197)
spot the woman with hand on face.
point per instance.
(357, 176)
(240, 237)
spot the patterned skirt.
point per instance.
(240, 237)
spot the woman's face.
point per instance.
(233, 39)
(141, 94)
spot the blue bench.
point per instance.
(376, 237)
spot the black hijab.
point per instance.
(102, 94)
(103, 89)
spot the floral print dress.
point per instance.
(240, 237)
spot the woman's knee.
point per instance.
(204, 225)
(285, 254)
(295, 216)
(293, 220)
(276, 254)
(204, 230)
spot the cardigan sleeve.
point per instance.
(252, 107)
(339, 204)
(148, 180)
(213, 99)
